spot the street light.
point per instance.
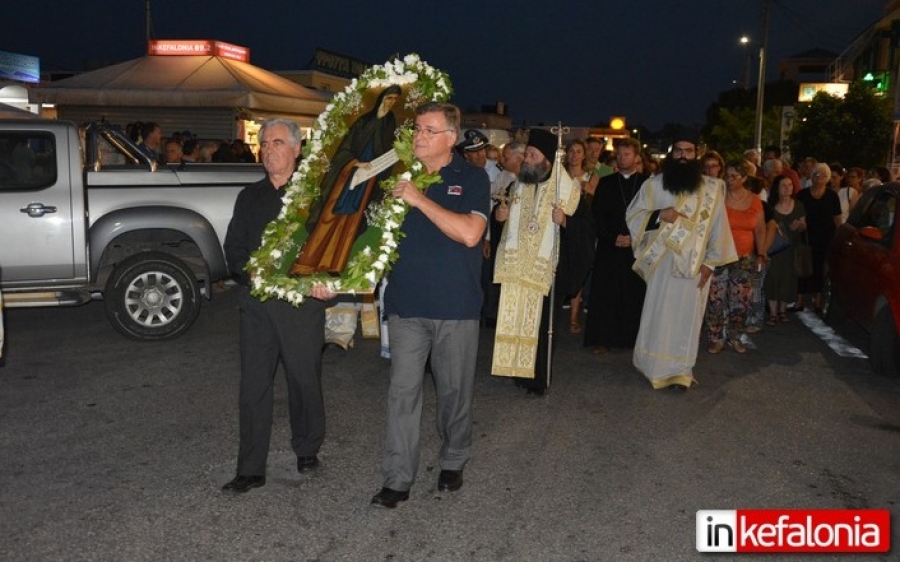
(745, 43)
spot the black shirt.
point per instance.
(256, 206)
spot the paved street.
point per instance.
(116, 450)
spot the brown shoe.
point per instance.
(737, 346)
(601, 350)
(716, 347)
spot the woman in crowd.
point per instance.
(730, 285)
(780, 286)
(846, 195)
(823, 215)
(577, 239)
(713, 164)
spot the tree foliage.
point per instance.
(734, 130)
(855, 131)
(731, 121)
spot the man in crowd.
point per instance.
(274, 329)
(679, 233)
(151, 140)
(592, 158)
(474, 149)
(526, 263)
(174, 152)
(433, 305)
(617, 292)
(773, 152)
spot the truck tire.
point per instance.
(152, 296)
(884, 344)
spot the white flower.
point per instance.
(406, 176)
(371, 277)
(276, 254)
(379, 265)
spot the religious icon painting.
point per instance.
(337, 226)
(362, 158)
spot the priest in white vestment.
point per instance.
(680, 233)
(526, 262)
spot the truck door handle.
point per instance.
(37, 210)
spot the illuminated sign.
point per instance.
(617, 123)
(809, 90)
(181, 47)
(339, 65)
(20, 67)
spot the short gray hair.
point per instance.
(292, 127)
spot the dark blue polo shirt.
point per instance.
(434, 276)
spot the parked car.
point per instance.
(862, 278)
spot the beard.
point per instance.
(534, 173)
(681, 175)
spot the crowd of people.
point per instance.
(183, 146)
(664, 254)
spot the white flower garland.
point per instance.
(284, 236)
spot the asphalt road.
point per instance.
(116, 450)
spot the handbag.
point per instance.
(779, 243)
(803, 261)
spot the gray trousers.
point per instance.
(453, 345)
(270, 331)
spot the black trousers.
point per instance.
(271, 331)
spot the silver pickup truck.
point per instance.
(85, 215)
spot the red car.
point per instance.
(862, 278)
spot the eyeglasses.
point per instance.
(428, 133)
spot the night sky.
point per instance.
(575, 61)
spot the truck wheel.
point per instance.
(884, 352)
(152, 296)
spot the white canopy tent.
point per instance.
(175, 91)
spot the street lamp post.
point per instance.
(761, 81)
(745, 42)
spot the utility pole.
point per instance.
(149, 21)
(761, 82)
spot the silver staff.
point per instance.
(559, 131)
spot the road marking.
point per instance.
(840, 346)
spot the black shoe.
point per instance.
(450, 480)
(531, 391)
(677, 388)
(389, 498)
(307, 464)
(242, 484)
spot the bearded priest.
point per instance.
(526, 262)
(679, 234)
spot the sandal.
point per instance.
(574, 328)
(783, 318)
(771, 321)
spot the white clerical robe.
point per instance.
(525, 265)
(669, 257)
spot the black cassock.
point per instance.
(617, 292)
